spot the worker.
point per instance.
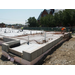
(63, 29)
(22, 28)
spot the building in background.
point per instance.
(57, 10)
(2, 25)
(50, 11)
(45, 12)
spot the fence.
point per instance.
(47, 28)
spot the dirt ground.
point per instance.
(62, 55)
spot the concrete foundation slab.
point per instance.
(25, 62)
(30, 53)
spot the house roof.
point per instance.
(57, 10)
(39, 16)
(48, 11)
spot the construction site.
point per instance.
(39, 47)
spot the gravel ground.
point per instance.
(64, 55)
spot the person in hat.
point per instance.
(63, 29)
(22, 28)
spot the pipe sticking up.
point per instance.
(44, 41)
(45, 36)
(5, 31)
(30, 32)
(28, 40)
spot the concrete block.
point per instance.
(34, 55)
(29, 56)
(5, 47)
(66, 35)
(15, 52)
(53, 43)
(39, 51)
(58, 40)
(6, 39)
(49, 45)
(13, 43)
(44, 48)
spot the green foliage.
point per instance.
(32, 22)
(47, 21)
(62, 18)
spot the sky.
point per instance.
(12, 16)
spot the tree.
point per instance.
(47, 21)
(51, 21)
(56, 19)
(74, 18)
(43, 21)
(69, 17)
(32, 22)
(61, 18)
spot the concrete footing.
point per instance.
(9, 43)
(28, 57)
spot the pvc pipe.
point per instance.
(45, 36)
(5, 31)
(28, 40)
(30, 32)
